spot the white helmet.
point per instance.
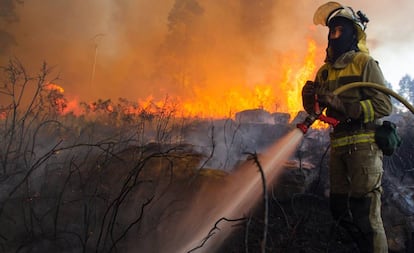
(324, 14)
(329, 10)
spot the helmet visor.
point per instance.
(325, 11)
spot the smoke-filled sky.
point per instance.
(137, 48)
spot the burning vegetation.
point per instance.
(211, 59)
(202, 103)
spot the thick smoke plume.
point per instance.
(137, 49)
(133, 49)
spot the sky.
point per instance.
(390, 36)
(138, 48)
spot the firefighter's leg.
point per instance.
(339, 185)
(365, 200)
(366, 212)
(339, 193)
(339, 204)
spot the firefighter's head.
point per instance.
(346, 28)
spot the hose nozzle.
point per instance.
(305, 125)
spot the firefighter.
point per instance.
(355, 166)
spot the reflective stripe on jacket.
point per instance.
(356, 67)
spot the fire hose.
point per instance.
(311, 118)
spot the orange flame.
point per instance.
(283, 96)
(54, 87)
(3, 115)
(224, 101)
(294, 82)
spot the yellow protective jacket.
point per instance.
(356, 67)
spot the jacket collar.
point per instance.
(344, 60)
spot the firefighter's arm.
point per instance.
(376, 104)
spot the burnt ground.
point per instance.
(117, 196)
(299, 220)
(301, 225)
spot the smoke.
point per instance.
(7, 15)
(134, 49)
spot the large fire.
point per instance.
(275, 96)
(284, 96)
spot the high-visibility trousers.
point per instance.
(356, 172)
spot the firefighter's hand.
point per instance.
(308, 97)
(328, 99)
(349, 110)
